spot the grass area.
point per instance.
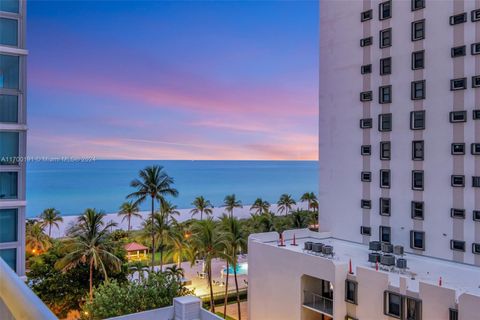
(220, 314)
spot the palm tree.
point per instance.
(155, 183)
(178, 244)
(236, 242)
(201, 205)
(310, 198)
(168, 209)
(300, 219)
(260, 206)
(208, 243)
(50, 217)
(175, 272)
(162, 231)
(230, 202)
(285, 203)
(314, 206)
(35, 239)
(89, 243)
(129, 210)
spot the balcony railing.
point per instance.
(17, 301)
(317, 302)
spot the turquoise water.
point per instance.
(242, 268)
(72, 187)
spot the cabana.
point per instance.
(136, 251)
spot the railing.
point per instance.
(17, 301)
(317, 302)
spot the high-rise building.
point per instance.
(13, 131)
(399, 196)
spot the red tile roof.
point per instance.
(133, 246)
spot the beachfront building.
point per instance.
(13, 131)
(399, 144)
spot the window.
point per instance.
(458, 84)
(475, 48)
(393, 303)
(413, 309)
(452, 314)
(418, 60)
(10, 6)
(417, 240)
(418, 150)
(459, 51)
(476, 215)
(457, 245)
(418, 89)
(385, 66)
(418, 4)
(475, 81)
(385, 206)
(366, 15)
(366, 231)
(8, 225)
(385, 122)
(385, 234)
(366, 150)
(8, 185)
(366, 176)
(458, 116)
(8, 108)
(476, 114)
(417, 180)
(476, 248)
(366, 123)
(475, 182)
(366, 42)
(457, 213)
(458, 181)
(9, 71)
(417, 209)
(458, 18)
(347, 317)
(418, 30)
(417, 120)
(366, 204)
(9, 148)
(458, 149)
(385, 150)
(366, 96)
(366, 69)
(475, 149)
(385, 94)
(475, 15)
(351, 291)
(9, 32)
(385, 10)
(9, 255)
(385, 38)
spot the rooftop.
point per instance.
(461, 277)
(133, 246)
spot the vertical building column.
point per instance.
(477, 135)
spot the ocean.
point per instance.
(71, 187)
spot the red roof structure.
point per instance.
(133, 246)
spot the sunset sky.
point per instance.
(173, 80)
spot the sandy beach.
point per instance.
(137, 222)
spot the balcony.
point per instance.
(316, 302)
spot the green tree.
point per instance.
(260, 206)
(300, 219)
(50, 217)
(285, 203)
(169, 210)
(128, 210)
(155, 183)
(163, 232)
(175, 271)
(89, 243)
(201, 205)
(36, 240)
(310, 198)
(230, 202)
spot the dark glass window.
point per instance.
(457, 213)
(417, 240)
(366, 42)
(458, 18)
(452, 314)
(476, 114)
(458, 84)
(418, 90)
(385, 38)
(366, 15)
(385, 234)
(458, 148)
(9, 255)
(366, 150)
(8, 225)
(8, 108)
(366, 204)
(351, 291)
(385, 10)
(393, 304)
(366, 123)
(417, 210)
(457, 245)
(366, 176)
(475, 15)
(475, 81)
(418, 4)
(366, 231)
(458, 116)
(475, 148)
(457, 180)
(384, 178)
(385, 206)
(418, 150)
(476, 182)
(8, 185)
(476, 248)
(418, 30)
(417, 180)
(9, 32)
(385, 94)
(459, 51)
(476, 215)
(385, 150)
(9, 72)
(417, 120)
(366, 69)
(366, 96)
(385, 66)
(418, 60)
(385, 122)
(413, 309)
(12, 6)
(475, 48)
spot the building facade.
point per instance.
(13, 131)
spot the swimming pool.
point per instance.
(242, 269)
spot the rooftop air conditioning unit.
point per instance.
(187, 308)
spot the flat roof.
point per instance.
(458, 276)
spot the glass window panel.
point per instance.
(9, 148)
(10, 6)
(9, 32)
(10, 257)
(8, 225)
(9, 71)
(8, 185)
(8, 108)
